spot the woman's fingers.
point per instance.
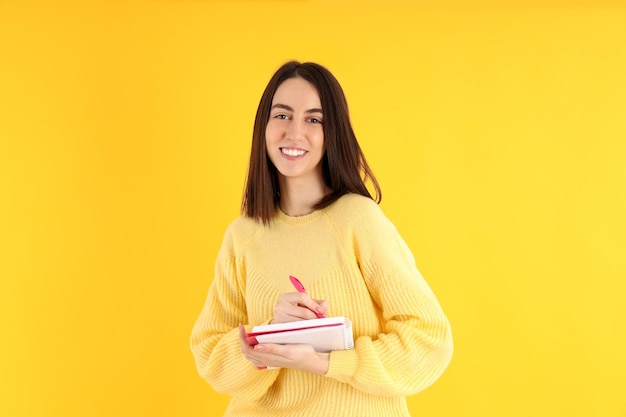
(247, 350)
(299, 356)
(323, 306)
(297, 306)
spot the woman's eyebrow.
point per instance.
(289, 108)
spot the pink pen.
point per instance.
(296, 283)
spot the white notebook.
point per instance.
(325, 334)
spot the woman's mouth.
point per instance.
(292, 152)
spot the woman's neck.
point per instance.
(297, 198)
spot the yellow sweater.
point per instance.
(351, 255)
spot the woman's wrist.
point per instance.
(323, 363)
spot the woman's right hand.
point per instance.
(294, 306)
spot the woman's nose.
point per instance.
(295, 130)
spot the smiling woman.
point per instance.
(295, 144)
(318, 94)
(307, 212)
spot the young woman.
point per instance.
(308, 213)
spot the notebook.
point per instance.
(325, 334)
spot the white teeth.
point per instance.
(293, 152)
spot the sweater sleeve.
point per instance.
(415, 345)
(215, 341)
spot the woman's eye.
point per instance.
(280, 116)
(314, 120)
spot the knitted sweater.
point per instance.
(351, 255)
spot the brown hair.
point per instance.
(344, 167)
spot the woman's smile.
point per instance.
(293, 153)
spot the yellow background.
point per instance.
(497, 132)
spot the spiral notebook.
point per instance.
(325, 334)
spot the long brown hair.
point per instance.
(344, 167)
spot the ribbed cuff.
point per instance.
(342, 364)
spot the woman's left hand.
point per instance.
(302, 357)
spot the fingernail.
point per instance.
(259, 347)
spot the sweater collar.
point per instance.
(297, 220)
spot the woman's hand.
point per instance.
(294, 306)
(302, 357)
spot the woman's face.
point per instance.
(294, 135)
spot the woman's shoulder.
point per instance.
(362, 218)
(355, 201)
(244, 225)
(242, 230)
(355, 207)
(243, 222)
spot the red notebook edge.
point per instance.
(252, 335)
